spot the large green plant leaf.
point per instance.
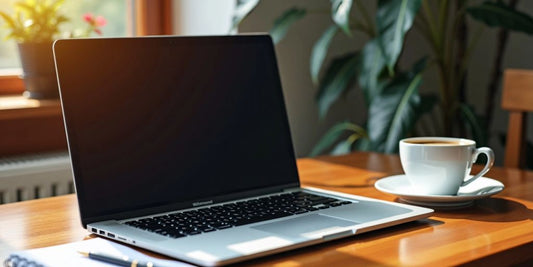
(242, 9)
(320, 49)
(345, 146)
(498, 14)
(334, 134)
(337, 79)
(340, 13)
(394, 19)
(370, 67)
(283, 23)
(394, 112)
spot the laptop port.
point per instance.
(94, 230)
(102, 232)
(111, 235)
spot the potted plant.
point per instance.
(34, 26)
(391, 92)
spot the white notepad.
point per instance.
(67, 254)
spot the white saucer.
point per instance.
(399, 186)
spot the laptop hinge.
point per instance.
(292, 189)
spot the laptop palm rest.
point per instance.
(310, 226)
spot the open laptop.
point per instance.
(181, 145)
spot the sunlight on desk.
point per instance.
(335, 175)
(14, 102)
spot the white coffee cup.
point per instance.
(441, 165)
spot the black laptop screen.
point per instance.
(163, 120)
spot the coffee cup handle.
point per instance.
(490, 161)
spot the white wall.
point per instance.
(202, 17)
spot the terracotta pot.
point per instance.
(38, 70)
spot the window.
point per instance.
(32, 126)
(114, 11)
(124, 18)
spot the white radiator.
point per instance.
(35, 176)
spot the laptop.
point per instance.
(181, 145)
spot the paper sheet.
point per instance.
(67, 254)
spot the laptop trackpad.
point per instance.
(310, 226)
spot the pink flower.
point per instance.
(94, 23)
(88, 17)
(100, 21)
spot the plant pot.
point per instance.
(38, 70)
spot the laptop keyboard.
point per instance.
(225, 216)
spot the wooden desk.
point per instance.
(496, 231)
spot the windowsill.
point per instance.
(10, 82)
(30, 126)
(18, 107)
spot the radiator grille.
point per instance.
(35, 176)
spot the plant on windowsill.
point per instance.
(34, 26)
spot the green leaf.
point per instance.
(242, 10)
(283, 23)
(9, 21)
(498, 14)
(340, 13)
(344, 147)
(61, 19)
(339, 75)
(370, 66)
(13, 25)
(26, 7)
(394, 19)
(472, 121)
(333, 135)
(394, 112)
(320, 49)
(363, 144)
(57, 4)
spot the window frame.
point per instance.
(34, 126)
(153, 17)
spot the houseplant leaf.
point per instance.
(370, 66)
(9, 21)
(393, 113)
(17, 29)
(394, 19)
(339, 75)
(335, 133)
(320, 49)
(345, 146)
(242, 9)
(283, 23)
(498, 14)
(340, 13)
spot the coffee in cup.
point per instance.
(441, 165)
